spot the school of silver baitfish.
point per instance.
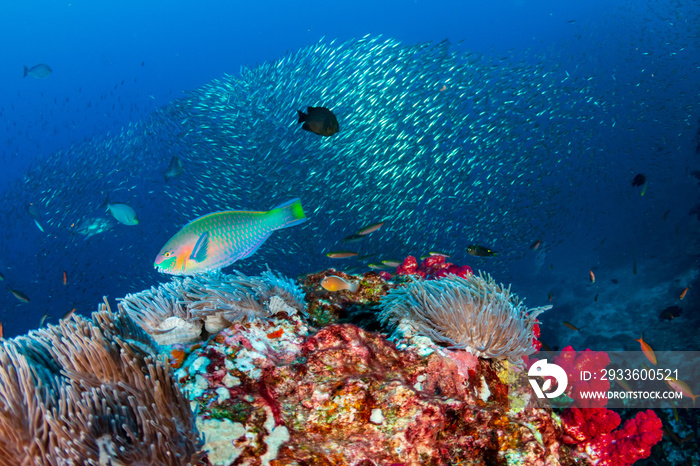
(448, 147)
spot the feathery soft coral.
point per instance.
(592, 429)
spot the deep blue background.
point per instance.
(115, 62)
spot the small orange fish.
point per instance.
(592, 276)
(683, 293)
(177, 358)
(335, 283)
(341, 254)
(370, 228)
(65, 278)
(570, 325)
(275, 334)
(535, 245)
(680, 386)
(391, 263)
(443, 88)
(546, 347)
(68, 314)
(646, 349)
(1, 333)
(624, 384)
(550, 296)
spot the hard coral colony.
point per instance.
(268, 388)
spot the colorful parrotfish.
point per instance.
(217, 240)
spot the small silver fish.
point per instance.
(38, 225)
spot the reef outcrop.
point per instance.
(270, 384)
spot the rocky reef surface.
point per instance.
(280, 373)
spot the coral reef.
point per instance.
(592, 430)
(271, 385)
(432, 267)
(573, 364)
(343, 395)
(473, 313)
(92, 392)
(186, 310)
(328, 307)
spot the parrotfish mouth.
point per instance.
(163, 264)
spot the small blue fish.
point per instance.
(39, 71)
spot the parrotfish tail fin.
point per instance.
(199, 252)
(288, 214)
(26, 70)
(302, 115)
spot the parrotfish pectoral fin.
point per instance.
(199, 253)
(288, 214)
(257, 245)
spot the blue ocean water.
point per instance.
(581, 98)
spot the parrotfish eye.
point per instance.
(167, 254)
